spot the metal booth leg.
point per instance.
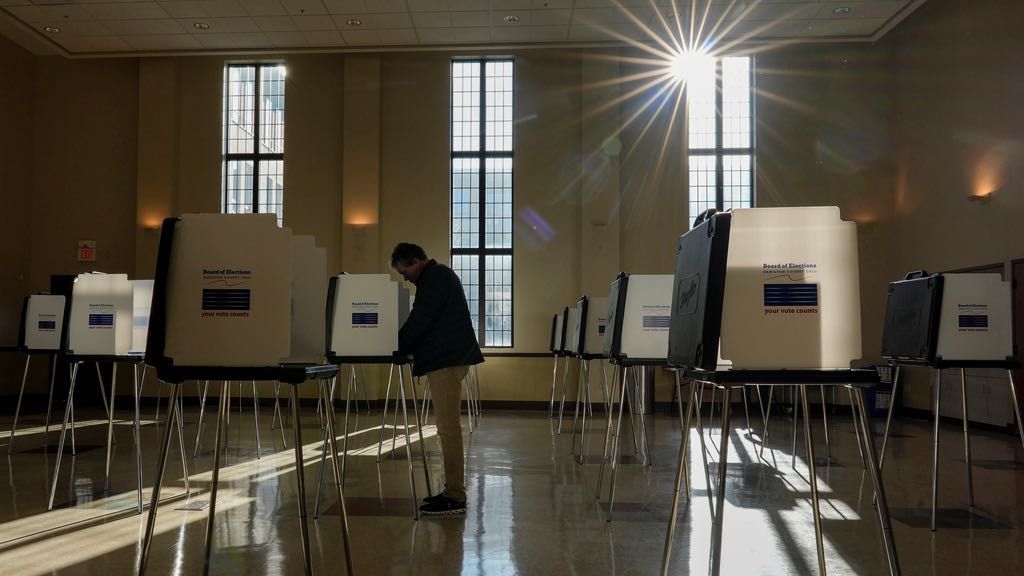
(884, 520)
(326, 441)
(717, 522)
(255, 415)
(888, 417)
(343, 516)
(300, 479)
(138, 433)
(813, 479)
(1016, 407)
(49, 400)
(576, 413)
(154, 502)
(384, 416)
(419, 431)
(935, 448)
(221, 430)
(967, 438)
(623, 393)
(408, 449)
(608, 428)
(110, 423)
(565, 384)
(63, 433)
(682, 471)
(554, 378)
(17, 410)
(824, 417)
(202, 414)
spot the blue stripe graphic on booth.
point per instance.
(790, 294)
(657, 321)
(973, 321)
(101, 319)
(225, 299)
(364, 318)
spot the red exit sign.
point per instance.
(86, 250)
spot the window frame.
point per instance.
(255, 157)
(719, 152)
(481, 252)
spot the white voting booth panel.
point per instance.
(975, 318)
(100, 321)
(229, 291)
(44, 320)
(792, 290)
(309, 296)
(593, 332)
(646, 316)
(142, 300)
(368, 311)
(572, 336)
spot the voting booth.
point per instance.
(588, 331)
(951, 321)
(636, 336)
(42, 323)
(558, 338)
(770, 296)
(222, 309)
(309, 294)
(639, 308)
(364, 314)
(99, 329)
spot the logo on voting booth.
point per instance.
(656, 318)
(226, 299)
(101, 320)
(47, 325)
(790, 295)
(364, 319)
(972, 318)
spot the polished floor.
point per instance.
(532, 508)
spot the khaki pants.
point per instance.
(446, 395)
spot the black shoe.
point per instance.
(434, 498)
(444, 506)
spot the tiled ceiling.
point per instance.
(103, 27)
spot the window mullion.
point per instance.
(256, 141)
(482, 214)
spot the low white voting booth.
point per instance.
(100, 320)
(959, 322)
(770, 296)
(222, 310)
(366, 312)
(588, 329)
(572, 335)
(42, 324)
(639, 313)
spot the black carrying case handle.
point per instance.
(916, 274)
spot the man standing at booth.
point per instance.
(439, 335)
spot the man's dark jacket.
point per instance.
(439, 332)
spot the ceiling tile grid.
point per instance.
(101, 26)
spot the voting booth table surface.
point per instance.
(222, 311)
(949, 321)
(364, 314)
(778, 279)
(42, 323)
(636, 337)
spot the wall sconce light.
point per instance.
(983, 199)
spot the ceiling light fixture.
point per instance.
(511, 19)
(354, 22)
(52, 29)
(200, 25)
(842, 11)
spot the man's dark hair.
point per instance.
(405, 254)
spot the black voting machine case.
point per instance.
(698, 293)
(912, 311)
(616, 304)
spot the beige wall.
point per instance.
(896, 134)
(17, 91)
